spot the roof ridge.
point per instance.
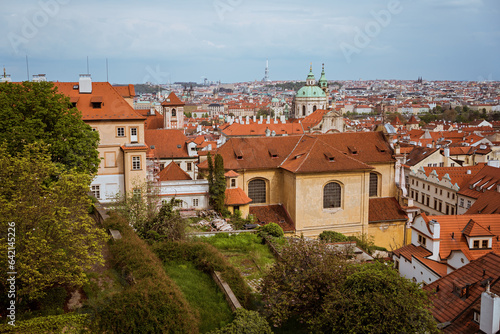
(289, 154)
(307, 155)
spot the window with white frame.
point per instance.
(136, 163)
(96, 191)
(195, 202)
(421, 239)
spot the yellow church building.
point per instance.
(323, 182)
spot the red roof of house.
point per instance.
(488, 178)
(231, 173)
(457, 175)
(167, 143)
(487, 203)
(277, 213)
(236, 196)
(112, 105)
(256, 129)
(172, 101)
(173, 173)
(153, 122)
(449, 306)
(385, 209)
(127, 91)
(307, 153)
(313, 119)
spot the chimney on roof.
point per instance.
(447, 152)
(282, 119)
(39, 78)
(490, 312)
(254, 118)
(260, 119)
(247, 120)
(469, 171)
(268, 119)
(85, 84)
(241, 119)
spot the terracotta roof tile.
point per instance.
(487, 203)
(473, 229)
(236, 196)
(172, 100)
(385, 209)
(231, 173)
(457, 175)
(487, 178)
(450, 306)
(167, 143)
(173, 173)
(112, 105)
(277, 213)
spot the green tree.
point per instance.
(245, 322)
(167, 224)
(34, 112)
(295, 287)
(55, 239)
(375, 299)
(216, 183)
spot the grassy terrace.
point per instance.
(202, 293)
(246, 252)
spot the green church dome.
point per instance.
(310, 91)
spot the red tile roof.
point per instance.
(473, 229)
(236, 196)
(487, 178)
(167, 143)
(449, 306)
(487, 203)
(307, 153)
(231, 173)
(385, 209)
(256, 129)
(277, 213)
(452, 238)
(172, 100)
(313, 119)
(457, 175)
(113, 106)
(127, 91)
(173, 173)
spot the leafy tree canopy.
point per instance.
(55, 239)
(34, 112)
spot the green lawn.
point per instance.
(202, 294)
(245, 251)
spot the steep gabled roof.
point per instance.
(450, 306)
(112, 106)
(473, 229)
(487, 178)
(487, 203)
(418, 154)
(172, 101)
(167, 143)
(173, 173)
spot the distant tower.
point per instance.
(266, 73)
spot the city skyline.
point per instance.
(230, 40)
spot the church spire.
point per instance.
(311, 80)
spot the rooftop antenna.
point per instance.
(107, 74)
(88, 65)
(27, 68)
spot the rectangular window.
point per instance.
(461, 202)
(195, 202)
(476, 244)
(452, 164)
(440, 192)
(428, 200)
(96, 191)
(133, 135)
(421, 239)
(423, 198)
(440, 206)
(434, 165)
(452, 210)
(477, 317)
(468, 204)
(189, 166)
(136, 163)
(436, 190)
(484, 244)
(423, 186)
(233, 183)
(452, 196)
(435, 204)
(120, 132)
(429, 165)
(441, 164)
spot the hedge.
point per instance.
(152, 303)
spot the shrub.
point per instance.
(152, 303)
(206, 258)
(245, 322)
(65, 323)
(271, 229)
(332, 236)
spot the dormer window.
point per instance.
(353, 150)
(422, 240)
(477, 316)
(96, 102)
(273, 153)
(233, 183)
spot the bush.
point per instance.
(245, 322)
(271, 229)
(206, 258)
(332, 236)
(66, 323)
(152, 302)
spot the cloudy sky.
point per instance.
(230, 40)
